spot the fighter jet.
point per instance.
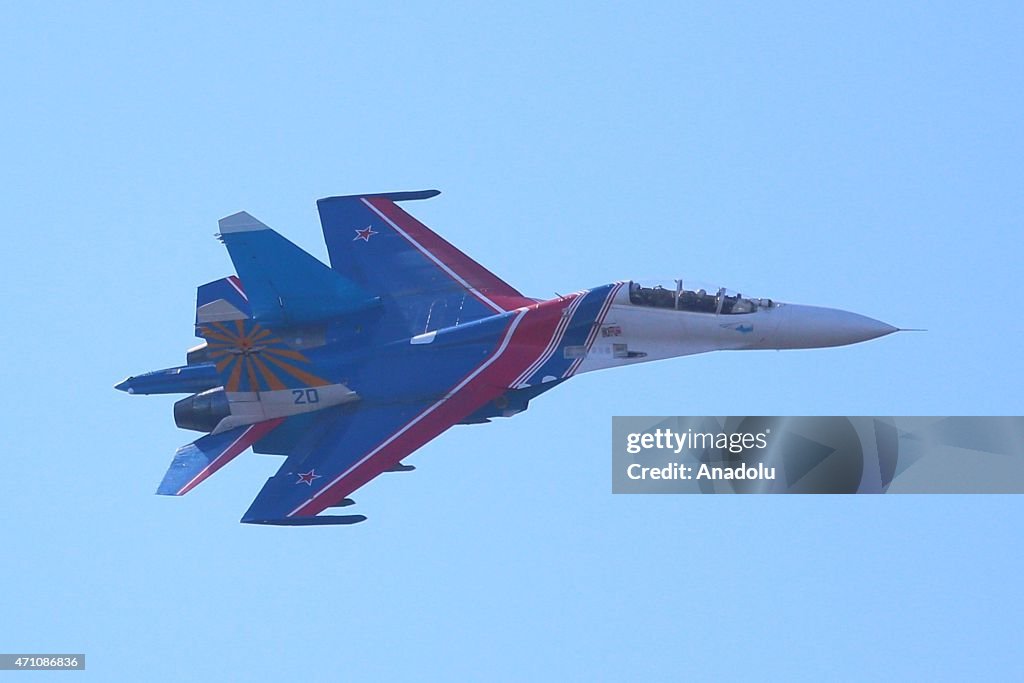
(348, 369)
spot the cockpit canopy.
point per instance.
(694, 297)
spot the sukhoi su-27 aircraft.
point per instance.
(347, 369)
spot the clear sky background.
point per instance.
(867, 158)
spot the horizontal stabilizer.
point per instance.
(284, 284)
(195, 462)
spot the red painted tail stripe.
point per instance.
(237, 284)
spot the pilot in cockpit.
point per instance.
(742, 305)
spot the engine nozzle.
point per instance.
(202, 412)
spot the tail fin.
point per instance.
(220, 300)
(284, 284)
(250, 358)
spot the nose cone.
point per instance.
(126, 385)
(811, 327)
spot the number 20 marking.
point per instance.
(303, 396)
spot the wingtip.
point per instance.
(240, 222)
(393, 196)
(322, 520)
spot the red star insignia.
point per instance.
(365, 234)
(308, 478)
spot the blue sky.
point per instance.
(865, 158)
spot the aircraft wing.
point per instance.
(373, 242)
(345, 449)
(350, 445)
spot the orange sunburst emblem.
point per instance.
(253, 359)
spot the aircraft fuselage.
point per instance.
(348, 368)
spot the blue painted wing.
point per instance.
(414, 271)
(314, 474)
(350, 445)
